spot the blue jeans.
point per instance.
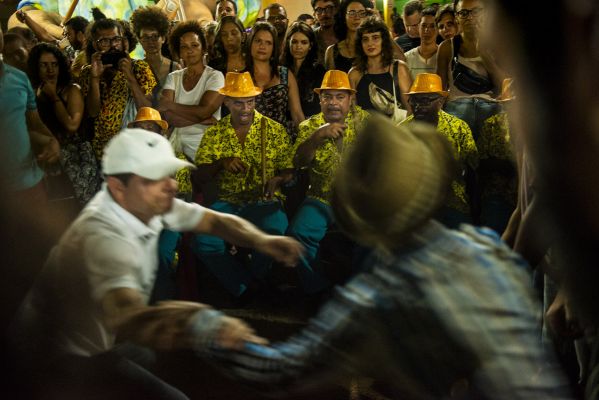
(309, 226)
(474, 111)
(228, 270)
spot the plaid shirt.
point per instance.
(447, 307)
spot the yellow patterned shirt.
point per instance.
(221, 141)
(494, 143)
(113, 101)
(327, 156)
(460, 136)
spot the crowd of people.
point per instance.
(259, 141)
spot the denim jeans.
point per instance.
(474, 111)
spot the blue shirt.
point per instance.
(447, 307)
(16, 98)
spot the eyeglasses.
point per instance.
(354, 14)
(109, 41)
(465, 13)
(150, 38)
(325, 10)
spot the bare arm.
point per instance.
(92, 100)
(354, 77)
(70, 115)
(297, 114)
(167, 325)
(443, 60)
(139, 96)
(243, 233)
(180, 115)
(39, 31)
(329, 62)
(44, 144)
(405, 82)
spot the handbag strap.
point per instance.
(393, 79)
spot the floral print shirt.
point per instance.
(220, 141)
(460, 136)
(328, 156)
(113, 100)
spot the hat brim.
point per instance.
(318, 90)
(231, 93)
(443, 93)
(163, 124)
(164, 168)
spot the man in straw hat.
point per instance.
(439, 313)
(249, 155)
(322, 141)
(103, 270)
(426, 97)
(149, 119)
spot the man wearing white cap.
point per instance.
(103, 269)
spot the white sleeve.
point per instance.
(112, 262)
(216, 80)
(183, 216)
(169, 84)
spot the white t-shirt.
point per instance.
(419, 64)
(190, 136)
(105, 248)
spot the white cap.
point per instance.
(140, 152)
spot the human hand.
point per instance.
(282, 248)
(332, 130)
(49, 153)
(21, 16)
(272, 186)
(234, 165)
(48, 88)
(97, 68)
(233, 334)
(126, 67)
(560, 319)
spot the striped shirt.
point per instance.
(447, 310)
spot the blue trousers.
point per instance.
(234, 276)
(309, 226)
(474, 111)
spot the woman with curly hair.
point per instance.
(300, 55)
(279, 99)
(151, 26)
(190, 100)
(60, 106)
(374, 64)
(347, 20)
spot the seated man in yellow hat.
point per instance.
(250, 157)
(322, 141)
(426, 96)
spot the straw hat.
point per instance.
(507, 93)
(335, 80)
(392, 181)
(428, 83)
(239, 84)
(149, 114)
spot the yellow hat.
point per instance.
(150, 114)
(239, 84)
(335, 80)
(428, 83)
(507, 93)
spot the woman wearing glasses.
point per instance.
(341, 55)
(151, 25)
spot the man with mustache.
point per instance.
(426, 97)
(249, 155)
(322, 142)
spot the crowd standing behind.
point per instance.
(255, 109)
